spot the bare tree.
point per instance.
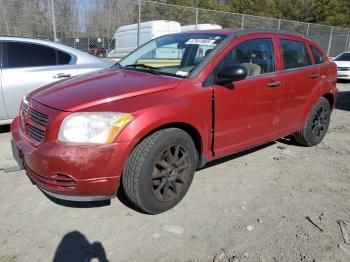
(104, 17)
(25, 18)
(67, 21)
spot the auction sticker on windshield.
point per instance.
(200, 42)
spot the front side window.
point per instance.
(295, 54)
(318, 56)
(173, 55)
(32, 55)
(256, 56)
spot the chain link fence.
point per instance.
(91, 24)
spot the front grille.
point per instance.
(343, 68)
(38, 117)
(33, 122)
(36, 133)
(25, 107)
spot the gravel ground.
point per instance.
(249, 207)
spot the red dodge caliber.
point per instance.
(168, 108)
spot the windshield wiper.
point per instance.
(152, 69)
(117, 65)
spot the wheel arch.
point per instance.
(322, 89)
(331, 99)
(191, 130)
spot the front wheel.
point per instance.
(160, 170)
(316, 125)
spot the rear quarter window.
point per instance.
(317, 54)
(295, 54)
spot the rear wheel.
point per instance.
(160, 170)
(316, 125)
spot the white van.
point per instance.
(126, 36)
(186, 28)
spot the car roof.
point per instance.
(240, 32)
(82, 57)
(226, 31)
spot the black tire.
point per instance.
(152, 178)
(316, 125)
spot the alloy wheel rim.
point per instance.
(170, 173)
(319, 123)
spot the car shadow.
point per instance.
(236, 155)
(125, 200)
(343, 102)
(5, 129)
(289, 141)
(75, 247)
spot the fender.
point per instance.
(171, 110)
(153, 112)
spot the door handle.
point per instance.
(274, 84)
(314, 75)
(61, 75)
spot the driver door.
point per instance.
(247, 111)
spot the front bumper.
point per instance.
(72, 172)
(343, 75)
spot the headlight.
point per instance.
(93, 127)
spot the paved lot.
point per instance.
(252, 206)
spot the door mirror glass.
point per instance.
(230, 74)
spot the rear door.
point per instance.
(28, 66)
(3, 114)
(300, 77)
(247, 111)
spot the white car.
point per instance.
(112, 53)
(27, 64)
(343, 63)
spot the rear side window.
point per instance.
(318, 56)
(256, 56)
(295, 54)
(32, 55)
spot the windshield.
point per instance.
(343, 57)
(174, 55)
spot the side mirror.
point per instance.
(231, 74)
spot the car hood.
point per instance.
(100, 87)
(342, 63)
